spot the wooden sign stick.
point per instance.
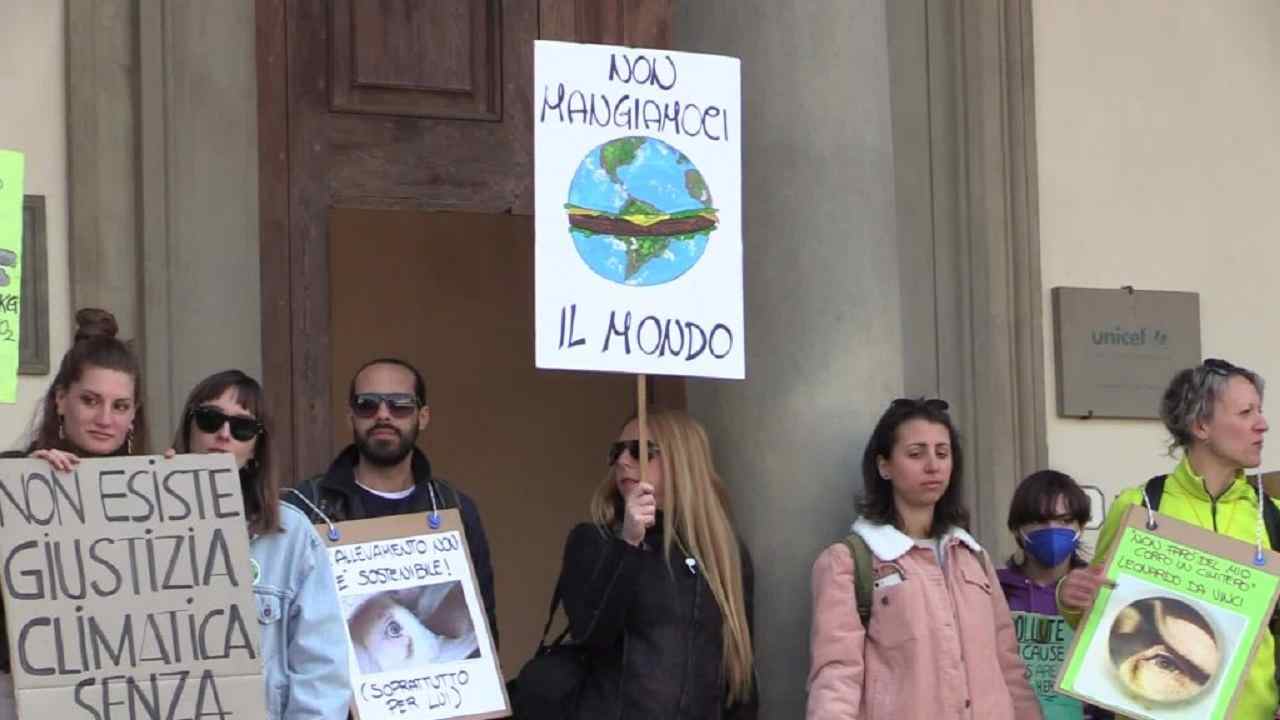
(642, 401)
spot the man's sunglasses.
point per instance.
(210, 420)
(935, 404)
(400, 405)
(631, 446)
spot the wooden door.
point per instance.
(396, 135)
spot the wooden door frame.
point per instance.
(295, 196)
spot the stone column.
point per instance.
(823, 304)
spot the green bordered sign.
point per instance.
(1176, 636)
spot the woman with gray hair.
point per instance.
(1213, 413)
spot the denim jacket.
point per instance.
(304, 646)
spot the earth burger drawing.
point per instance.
(639, 212)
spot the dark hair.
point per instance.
(1034, 502)
(1192, 393)
(419, 385)
(95, 346)
(261, 488)
(877, 503)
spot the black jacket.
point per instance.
(336, 495)
(652, 628)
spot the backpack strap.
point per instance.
(1154, 491)
(863, 582)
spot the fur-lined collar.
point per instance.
(889, 543)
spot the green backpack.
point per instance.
(863, 580)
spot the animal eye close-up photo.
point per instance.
(404, 629)
(1164, 650)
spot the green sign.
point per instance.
(1175, 636)
(10, 270)
(1043, 641)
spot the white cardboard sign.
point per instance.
(418, 640)
(638, 176)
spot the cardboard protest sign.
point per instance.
(638, 211)
(417, 634)
(1042, 642)
(11, 172)
(1176, 636)
(128, 589)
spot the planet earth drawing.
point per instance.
(639, 212)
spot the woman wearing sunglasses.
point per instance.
(658, 586)
(303, 653)
(939, 641)
(1213, 413)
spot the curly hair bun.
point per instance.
(93, 323)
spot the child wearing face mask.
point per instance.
(1048, 512)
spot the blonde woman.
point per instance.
(658, 587)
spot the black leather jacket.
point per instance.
(336, 495)
(652, 627)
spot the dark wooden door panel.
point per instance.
(391, 104)
(440, 59)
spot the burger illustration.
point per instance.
(639, 212)
(1164, 650)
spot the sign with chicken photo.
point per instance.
(420, 645)
(1175, 638)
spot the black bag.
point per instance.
(548, 685)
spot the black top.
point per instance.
(652, 627)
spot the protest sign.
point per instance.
(1042, 643)
(638, 211)
(417, 635)
(11, 179)
(1175, 637)
(128, 590)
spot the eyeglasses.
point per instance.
(400, 405)
(1220, 367)
(632, 447)
(935, 404)
(210, 420)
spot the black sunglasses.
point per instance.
(631, 446)
(210, 420)
(1220, 367)
(400, 405)
(935, 404)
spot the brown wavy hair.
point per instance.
(95, 346)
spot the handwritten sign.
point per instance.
(1176, 636)
(11, 179)
(1043, 642)
(638, 175)
(419, 641)
(128, 589)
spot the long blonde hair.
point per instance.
(695, 514)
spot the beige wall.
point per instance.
(1159, 168)
(33, 48)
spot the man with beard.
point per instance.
(384, 473)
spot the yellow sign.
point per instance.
(10, 270)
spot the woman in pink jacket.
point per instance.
(939, 643)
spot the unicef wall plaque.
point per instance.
(1116, 350)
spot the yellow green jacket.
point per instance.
(1234, 514)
